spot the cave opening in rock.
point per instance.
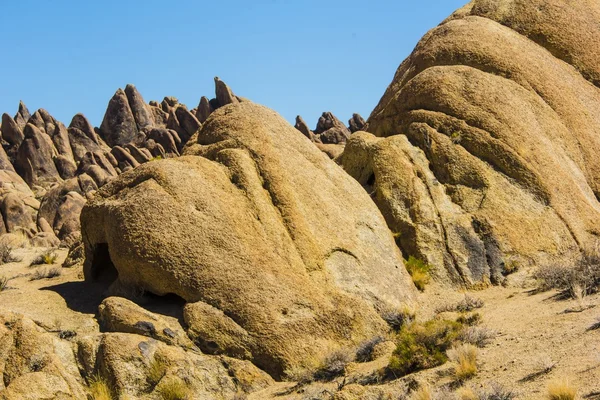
(103, 269)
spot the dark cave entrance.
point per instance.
(103, 270)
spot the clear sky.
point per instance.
(297, 57)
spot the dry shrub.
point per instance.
(334, 364)
(477, 335)
(364, 353)
(578, 280)
(398, 317)
(467, 304)
(43, 273)
(561, 390)
(469, 319)
(48, 257)
(496, 391)
(3, 283)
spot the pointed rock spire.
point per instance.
(204, 109)
(356, 123)
(224, 94)
(118, 126)
(23, 115)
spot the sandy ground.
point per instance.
(534, 330)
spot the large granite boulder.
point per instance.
(262, 230)
(492, 129)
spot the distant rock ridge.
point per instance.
(47, 169)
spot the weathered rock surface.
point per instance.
(496, 117)
(311, 267)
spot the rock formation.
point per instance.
(263, 254)
(488, 137)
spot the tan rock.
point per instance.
(121, 315)
(510, 135)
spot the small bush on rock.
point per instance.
(419, 272)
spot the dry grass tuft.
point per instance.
(561, 390)
(100, 389)
(173, 389)
(465, 357)
(157, 370)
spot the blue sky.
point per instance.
(297, 57)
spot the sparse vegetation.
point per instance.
(467, 304)
(419, 272)
(510, 267)
(561, 390)
(364, 353)
(6, 255)
(398, 317)
(575, 281)
(423, 345)
(465, 357)
(496, 391)
(156, 371)
(173, 389)
(3, 283)
(469, 319)
(477, 336)
(100, 389)
(456, 137)
(334, 364)
(49, 257)
(44, 273)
